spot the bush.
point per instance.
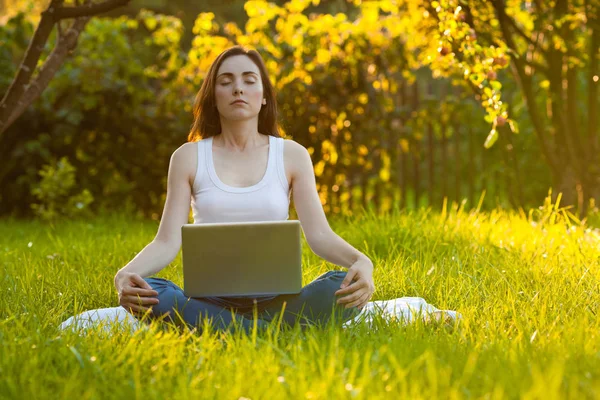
(56, 193)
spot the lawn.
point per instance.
(526, 285)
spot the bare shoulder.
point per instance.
(184, 160)
(296, 158)
(293, 148)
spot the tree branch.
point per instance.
(526, 86)
(25, 71)
(569, 147)
(594, 71)
(66, 44)
(14, 102)
(539, 7)
(571, 110)
(90, 9)
(490, 40)
(513, 23)
(529, 56)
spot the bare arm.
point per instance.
(322, 240)
(165, 246)
(357, 286)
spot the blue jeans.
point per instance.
(314, 305)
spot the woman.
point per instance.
(242, 170)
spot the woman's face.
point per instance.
(238, 90)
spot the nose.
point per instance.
(237, 91)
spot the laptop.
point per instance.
(242, 258)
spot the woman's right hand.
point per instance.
(134, 293)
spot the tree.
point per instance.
(23, 90)
(552, 50)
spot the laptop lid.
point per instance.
(242, 258)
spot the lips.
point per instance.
(239, 102)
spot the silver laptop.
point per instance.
(242, 258)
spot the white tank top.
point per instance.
(214, 201)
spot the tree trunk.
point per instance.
(23, 91)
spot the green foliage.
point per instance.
(14, 38)
(121, 105)
(113, 110)
(57, 195)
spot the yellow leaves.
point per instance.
(363, 150)
(232, 29)
(328, 149)
(385, 84)
(260, 12)
(323, 194)
(522, 16)
(252, 26)
(514, 127)
(341, 121)
(205, 50)
(389, 6)
(272, 66)
(491, 139)
(204, 24)
(363, 98)
(559, 43)
(131, 23)
(404, 145)
(258, 8)
(252, 8)
(370, 13)
(297, 6)
(323, 56)
(384, 172)
(150, 23)
(319, 167)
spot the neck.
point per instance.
(240, 135)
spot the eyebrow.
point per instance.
(229, 74)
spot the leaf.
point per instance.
(404, 145)
(384, 174)
(514, 126)
(323, 56)
(319, 167)
(150, 22)
(491, 139)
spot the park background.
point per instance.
(455, 143)
(394, 111)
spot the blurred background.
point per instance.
(402, 104)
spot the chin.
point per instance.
(239, 116)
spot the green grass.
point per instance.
(526, 285)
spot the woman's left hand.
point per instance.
(357, 293)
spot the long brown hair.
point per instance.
(207, 122)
